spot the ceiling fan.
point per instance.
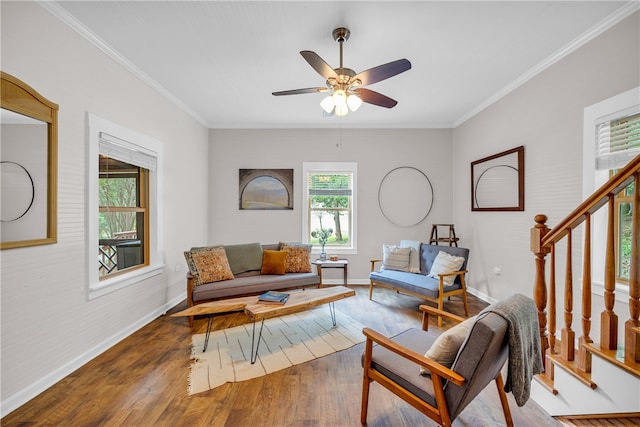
(346, 86)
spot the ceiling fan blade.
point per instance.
(299, 91)
(375, 98)
(319, 64)
(381, 72)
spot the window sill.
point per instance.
(335, 251)
(107, 286)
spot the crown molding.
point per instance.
(613, 19)
(63, 15)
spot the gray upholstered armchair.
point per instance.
(441, 395)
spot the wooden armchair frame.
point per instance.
(442, 293)
(439, 374)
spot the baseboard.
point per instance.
(484, 297)
(23, 396)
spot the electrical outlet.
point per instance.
(497, 271)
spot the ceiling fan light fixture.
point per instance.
(327, 104)
(342, 109)
(339, 97)
(354, 102)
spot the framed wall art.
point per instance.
(265, 189)
(497, 182)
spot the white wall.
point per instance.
(48, 326)
(377, 151)
(545, 115)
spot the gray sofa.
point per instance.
(249, 282)
(420, 284)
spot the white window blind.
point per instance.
(330, 184)
(125, 151)
(617, 142)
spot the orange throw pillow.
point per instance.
(274, 262)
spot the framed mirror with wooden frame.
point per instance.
(28, 165)
(497, 182)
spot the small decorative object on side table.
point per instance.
(337, 263)
(322, 234)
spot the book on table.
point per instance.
(272, 297)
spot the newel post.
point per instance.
(540, 286)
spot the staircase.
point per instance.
(585, 376)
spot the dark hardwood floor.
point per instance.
(142, 381)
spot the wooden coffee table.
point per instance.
(256, 311)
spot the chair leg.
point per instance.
(440, 307)
(365, 399)
(370, 290)
(466, 305)
(503, 401)
(464, 296)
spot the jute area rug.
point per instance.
(286, 341)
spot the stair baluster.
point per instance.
(584, 357)
(631, 332)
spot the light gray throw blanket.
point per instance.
(525, 359)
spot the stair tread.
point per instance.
(571, 367)
(616, 357)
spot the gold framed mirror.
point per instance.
(28, 165)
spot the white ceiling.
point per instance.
(220, 60)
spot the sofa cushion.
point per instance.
(244, 257)
(428, 254)
(395, 258)
(446, 263)
(404, 371)
(274, 262)
(208, 265)
(414, 255)
(417, 283)
(253, 283)
(445, 348)
(298, 255)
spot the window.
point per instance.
(618, 141)
(611, 139)
(623, 225)
(123, 211)
(123, 207)
(330, 204)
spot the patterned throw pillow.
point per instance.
(395, 258)
(208, 265)
(446, 263)
(298, 255)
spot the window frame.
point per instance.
(330, 167)
(609, 109)
(618, 200)
(134, 142)
(142, 207)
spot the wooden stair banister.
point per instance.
(543, 242)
